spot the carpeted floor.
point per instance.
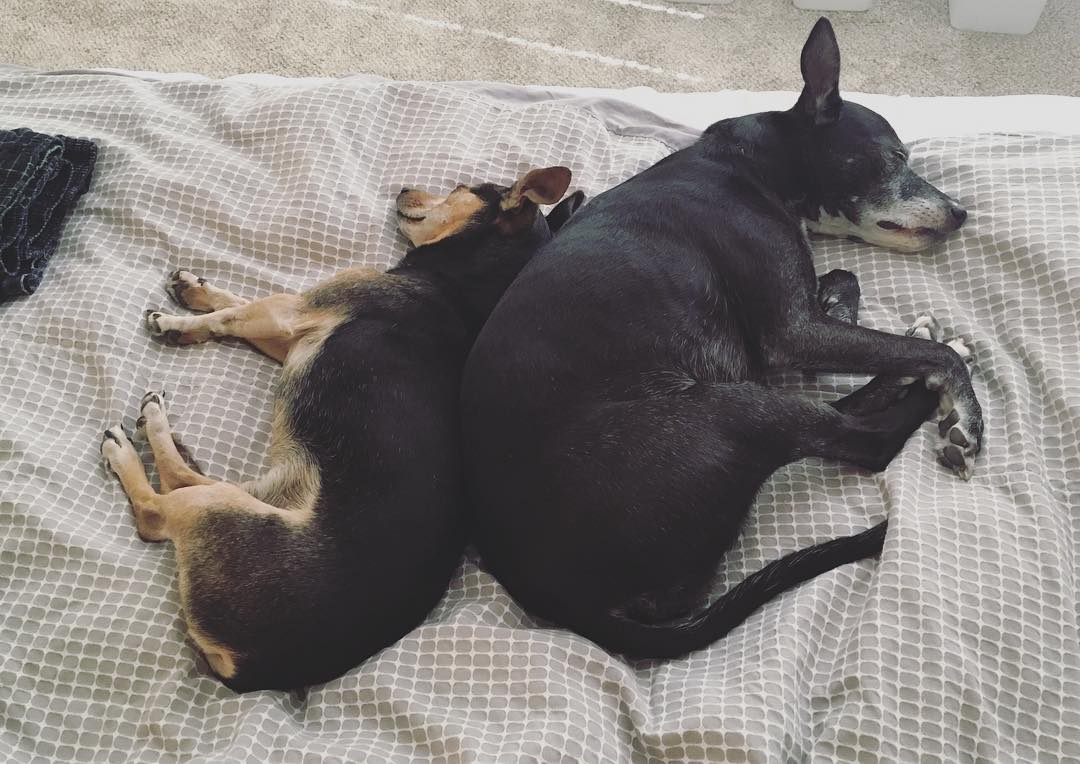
(898, 47)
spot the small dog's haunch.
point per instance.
(350, 538)
(616, 424)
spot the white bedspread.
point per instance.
(959, 644)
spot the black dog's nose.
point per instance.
(959, 214)
(404, 190)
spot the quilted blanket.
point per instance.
(959, 644)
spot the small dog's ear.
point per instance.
(820, 101)
(564, 210)
(545, 186)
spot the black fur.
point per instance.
(616, 427)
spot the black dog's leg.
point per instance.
(823, 343)
(838, 295)
(764, 425)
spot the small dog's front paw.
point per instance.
(157, 325)
(183, 287)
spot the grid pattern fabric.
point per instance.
(959, 644)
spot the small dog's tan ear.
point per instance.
(544, 186)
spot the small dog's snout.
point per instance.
(959, 214)
(404, 190)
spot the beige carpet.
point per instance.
(899, 47)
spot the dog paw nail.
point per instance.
(954, 455)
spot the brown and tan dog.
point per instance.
(351, 537)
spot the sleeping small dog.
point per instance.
(351, 537)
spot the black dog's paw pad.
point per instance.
(960, 439)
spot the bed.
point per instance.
(959, 644)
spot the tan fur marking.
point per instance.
(441, 220)
(221, 659)
(273, 324)
(125, 462)
(173, 471)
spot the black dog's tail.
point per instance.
(670, 640)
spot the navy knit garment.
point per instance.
(41, 179)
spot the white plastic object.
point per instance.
(1009, 16)
(834, 5)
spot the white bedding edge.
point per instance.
(913, 117)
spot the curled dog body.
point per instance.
(351, 536)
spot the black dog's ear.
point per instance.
(820, 101)
(564, 210)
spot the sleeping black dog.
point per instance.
(616, 425)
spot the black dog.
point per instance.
(616, 427)
(350, 538)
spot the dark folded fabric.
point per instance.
(41, 179)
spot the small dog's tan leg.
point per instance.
(173, 471)
(197, 294)
(145, 502)
(273, 324)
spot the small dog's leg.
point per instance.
(124, 461)
(831, 345)
(272, 324)
(172, 469)
(838, 294)
(195, 293)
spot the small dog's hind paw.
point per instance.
(156, 397)
(114, 438)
